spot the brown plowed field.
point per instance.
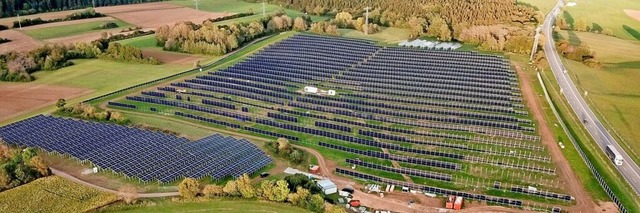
(167, 57)
(153, 15)
(44, 16)
(20, 98)
(635, 14)
(19, 42)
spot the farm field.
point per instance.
(19, 98)
(19, 41)
(230, 206)
(53, 194)
(356, 127)
(8, 21)
(76, 29)
(99, 76)
(611, 89)
(610, 14)
(153, 15)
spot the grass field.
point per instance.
(69, 30)
(241, 7)
(101, 76)
(387, 35)
(612, 89)
(610, 14)
(148, 41)
(53, 194)
(217, 205)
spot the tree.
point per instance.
(316, 203)
(5, 151)
(417, 26)
(281, 191)
(445, 33)
(561, 23)
(61, 103)
(283, 143)
(244, 186)
(435, 24)
(5, 178)
(343, 19)
(607, 31)
(333, 209)
(129, 193)
(189, 188)
(300, 197)
(267, 190)
(231, 188)
(581, 25)
(28, 153)
(40, 166)
(212, 190)
(332, 29)
(300, 24)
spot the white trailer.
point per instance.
(614, 155)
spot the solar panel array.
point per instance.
(435, 108)
(144, 154)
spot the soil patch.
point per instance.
(154, 15)
(85, 37)
(171, 57)
(20, 42)
(635, 14)
(20, 98)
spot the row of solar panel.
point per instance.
(333, 126)
(190, 107)
(208, 120)
(401, 170)
(269, 133)
(282, 117)
(121, 105)
(399, 158)
(447, 104)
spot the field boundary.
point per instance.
(207, 66)
(593, 170)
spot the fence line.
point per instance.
(593, 170)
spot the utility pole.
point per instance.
(264, 12)
(19, 21)
(535, 43)
(366, 21)
(197, 4)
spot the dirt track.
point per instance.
(584, 203)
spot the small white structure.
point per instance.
(532, 189)
(331, 92)
(343, 193)
(311, 89)
(327, 186)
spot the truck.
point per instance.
(614, 155)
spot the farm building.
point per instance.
(327, 186)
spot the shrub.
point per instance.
(212, 190)
(3, 27)
(189, 188)
(108, 25)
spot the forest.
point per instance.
(493, 25)
(25, 7)
(211, 39)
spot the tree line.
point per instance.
(20, 166)
(17, 66)
(282, 148)
(211, 39)
(297, 190)
(26, 7)
(84, 14)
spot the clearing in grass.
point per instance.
(63, 31)
(53, 194)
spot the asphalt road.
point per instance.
(629, 170)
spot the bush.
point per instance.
(107, 25)
(4, 40)
(189, 188)
(3, 27)
(283, 149)
(20, 166)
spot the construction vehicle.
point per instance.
(450, 200)
(457, 205)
